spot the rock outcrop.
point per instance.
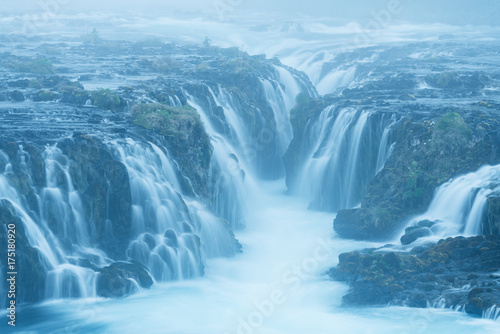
(456, 272)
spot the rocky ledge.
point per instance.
(461, 273)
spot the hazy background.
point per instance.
(457, 12)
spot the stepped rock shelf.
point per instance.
(108, 170)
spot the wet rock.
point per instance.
(17, 96)
(412, 233)
(104, 186)
(171, 238)
(491, 220)
(456, 270)
(185, 136)
(117, 279)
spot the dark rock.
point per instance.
(171, 238)
(185, 137)
(104, 186)
(412, 233)
(17, 96)
(150, 240)
(435, 272)
(114, 280)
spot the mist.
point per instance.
(464, 12)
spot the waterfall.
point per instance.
(174, 101)
(226, 172)
(60, 203)
(171, 101)
(332, 174)
(458, 206)
(239, 155)
(276, 97)
(172, 236)
(338, 78)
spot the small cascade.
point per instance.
(459, 205)
(493, 313)
(37, 237)
(60, 204)
(71, 281)
(385, 150)
(174, 101)
(239, 135)
(276, 97)
(178, 102)
(337, 78)
(171, 101)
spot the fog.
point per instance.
(455, 12)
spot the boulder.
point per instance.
(116, 280)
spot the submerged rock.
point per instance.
(120, 278)
(412, 233)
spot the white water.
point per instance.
(63, 279)
(459, 204)
(385, 150)
(174, 236)
(275, 287)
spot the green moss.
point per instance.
(186, 137)
(447, 79)
(453, 123)
(450, 135)
(45, 95)
(106, 99)
(414, 188)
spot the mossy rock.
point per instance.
(185, 135)
(108, 100)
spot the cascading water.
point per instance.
(172, 237)
(339, 139)
(458, 206)
(385, 149)
(326, 75)
(58, 243)
(237, 156)
(226, 173)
